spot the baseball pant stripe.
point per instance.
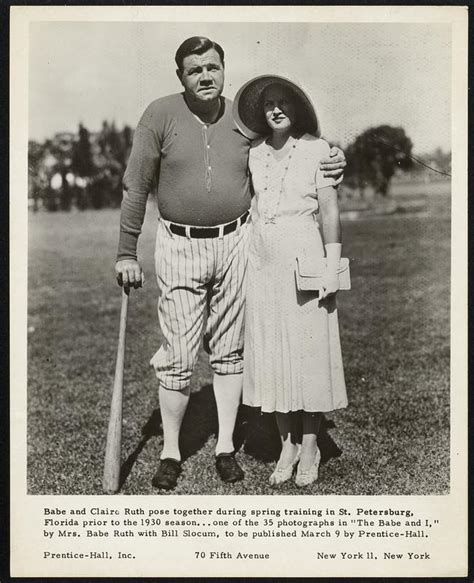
(225, 325)
(192, 275)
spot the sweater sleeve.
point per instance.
(137, 184)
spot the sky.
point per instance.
(358, 75)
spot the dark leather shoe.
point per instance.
(228, 469)
(167, 475)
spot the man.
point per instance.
(188, 149)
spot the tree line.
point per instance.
(84, 170)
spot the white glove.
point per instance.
(331, 278)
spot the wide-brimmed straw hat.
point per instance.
(248, 107)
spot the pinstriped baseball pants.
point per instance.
(201, 283)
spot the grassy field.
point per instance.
(395, 334)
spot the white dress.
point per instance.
(292, 352)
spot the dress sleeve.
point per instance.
(320, 180)
(137, 183)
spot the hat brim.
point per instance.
(248, 110)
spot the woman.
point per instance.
(292, 357)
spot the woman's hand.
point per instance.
(330, 285)
(129, 273)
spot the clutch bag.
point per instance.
(311, 270)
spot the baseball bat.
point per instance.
(111, 479)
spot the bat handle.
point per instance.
(111, 480)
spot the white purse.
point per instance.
(310, 272)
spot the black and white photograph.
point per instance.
(241, 261)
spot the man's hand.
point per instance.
(333, 167)
(129, 273)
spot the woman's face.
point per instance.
(279, 107)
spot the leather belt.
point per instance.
(208, 232)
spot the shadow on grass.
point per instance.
(199, 423)
(256, 432)
(152, 428)
(259, 434)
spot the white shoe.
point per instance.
(307, 477)
(281, 475)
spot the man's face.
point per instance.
(202, 76)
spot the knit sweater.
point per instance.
(197, 171)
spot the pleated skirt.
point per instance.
(292, 349)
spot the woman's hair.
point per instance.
(196, 45)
